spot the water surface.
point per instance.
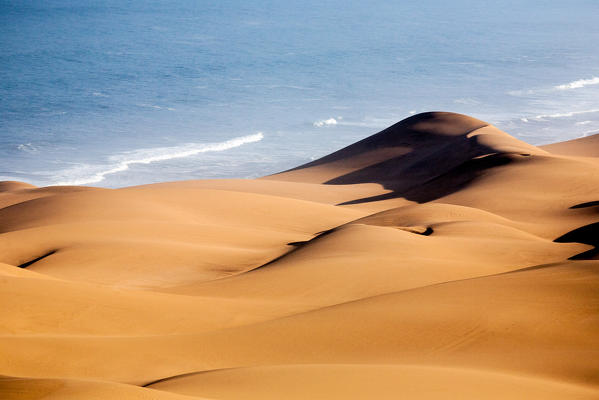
(117, 93)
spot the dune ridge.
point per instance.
(438, 258)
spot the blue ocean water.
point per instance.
(115, 93)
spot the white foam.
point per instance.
(325, 122)
(154, 106)
(284, 87)
(27, 148)
(566, 115)
(578, 84)
(374, 123)
(468, 101)
(86, 174)
(584, 122)
(547, 90)
(521, 92)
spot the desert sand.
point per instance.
(440, 258)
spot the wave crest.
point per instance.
(567, 114)
(579, 84)
(325, 122)
(86, 174)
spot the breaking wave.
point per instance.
(567, 114)
(86, 173)
(579, 83)
(325, 122)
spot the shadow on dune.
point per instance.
(588, 234)
(444, 184)
(31, 262)
(585, 205)
(421, 158)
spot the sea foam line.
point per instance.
(591, 132)
(579, 83)
(325, 122)
(122, 161)
(568, 114)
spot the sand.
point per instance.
(439, 258)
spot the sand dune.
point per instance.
(358, 381)
(59, 389)
(439, 258)
(581, 147)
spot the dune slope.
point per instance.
(438, 258)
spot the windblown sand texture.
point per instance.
(438, 259)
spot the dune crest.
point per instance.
(439, 258)
(582, 147)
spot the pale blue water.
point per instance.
(115, 93)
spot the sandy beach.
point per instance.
(440, 258)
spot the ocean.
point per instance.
(118, 93)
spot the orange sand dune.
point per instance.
(582, 147)
(439, 258)
(61, 389)
(359, 381)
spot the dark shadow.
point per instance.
(168, 378)
(29, 263)
(419, 131)
(440, 154)
(316, 236)
(426, 232)
(585, 205)
(296, 247)
(297, 244)
(421, 158)
(445, 183)
(588, 234)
